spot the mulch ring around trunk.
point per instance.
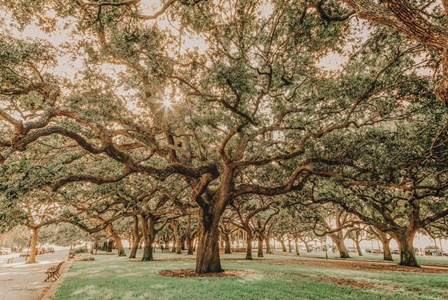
(192, 273)
(361, 284)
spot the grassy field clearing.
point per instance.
(278, 276)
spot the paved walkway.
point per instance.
(19, 281)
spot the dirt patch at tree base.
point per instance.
(361, 284)
(363, 266)
(192, 273)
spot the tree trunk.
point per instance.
(385, 240)
(307, 247)
(173, 249)
(260, 247)
(227, 244)
(289, 245)
(148, 235)
(110, 245)
(407, 253)
(147, 249)
(190, 244)
(249, 246)
(358, 248)
(116, 238)
(177, 242)
(296, 244)
(268, 245)
(135, 238)
(386, 250)
(183, 246)
(134, 247)
(207, 258)
(343, 252)
(282, 242)
(33, 245)
(178, 245)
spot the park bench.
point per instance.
(53, 272)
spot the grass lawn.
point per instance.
(278, 276)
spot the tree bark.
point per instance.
(177, 242)
(260, 247)
(249, 246)
(385, 240)
(173, 249)
(227, 244)
(135, 238)
(110, 245)
(268, 245)
(33, 245)
(178, 245)
(307, 246)
(343, 252)
(183, 243)
(116, 238)
(148, 235)
(190, 244)
(147, 249)
(282, 242)
(407, 253)
(386, 250)
(207, 258)
(296, 245)
(358, 248)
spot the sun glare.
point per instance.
(167, 103)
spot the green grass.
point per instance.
(441, 261)
(275, 277)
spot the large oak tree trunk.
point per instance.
(407, 253)
(148, 235)
(260, 247)
(33, 245)
(147, 249)
(207, 257)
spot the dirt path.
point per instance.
(26, 282)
